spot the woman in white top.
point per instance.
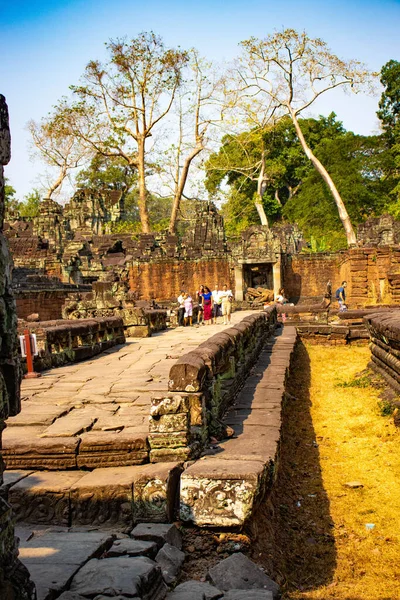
(227, 298)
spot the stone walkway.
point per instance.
(95, 413)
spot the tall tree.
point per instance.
(291, 71)
(200, 107)
(57, 145)
(123, 100)
(389, 115)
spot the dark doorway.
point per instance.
(259, 274)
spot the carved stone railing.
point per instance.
(202, 385)
(62, 341)
(384, 332)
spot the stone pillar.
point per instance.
(276, 274)
(239, 283)
(15, 583)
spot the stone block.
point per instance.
(128, 547)
(103, 496)
(220, 493)
(195, 590)
(156, 492)
(172, 404)
(105, 448)
(172, 454)
(126, 576)
(44, 497)
(23, 452)
(188, 373)
(170, 559)
(237, 572)
(75, 422)
(34, 413)
(169, 423)
(160, 533)
(176, 439)
(249, 595)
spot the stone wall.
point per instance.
(305, 275)
(202, 385)
(384, 332)
(61, 342)
(14, 577)
(164, 280)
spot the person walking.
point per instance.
(341, 296)
(181, 309)
(200, 314)
(207, 305)
(188, 304)
(217, 301)
(226, 304)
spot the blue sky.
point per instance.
(45, 46)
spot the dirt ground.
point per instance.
(331, 527)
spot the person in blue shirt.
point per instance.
(341, 296)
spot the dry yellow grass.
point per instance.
(355, 443)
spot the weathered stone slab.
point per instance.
(75, 422)
(260, 446)
(188, 373)
(19, 451)
(237, 572)
(249, 595)
(10, 478)
(128, 547)
(195, 590)
(43, 497)
(34, 413)
(103, 496)
(170, 559)
(216, 492)
(133, 577)
(160, 533)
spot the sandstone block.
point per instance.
(169, 423)
(128, 547)
(170, 559)
(237, 572)
(221, 493)
(195, 590)
(188, 373)
(160, 533)
(44, 497)
(125, 576)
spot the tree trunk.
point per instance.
(261, 213)
(180, 187)
(260, 193)
(343, 214)
(143, 212)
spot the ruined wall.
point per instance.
(48, 305)
(14, 577)
(164, 280)
(305, 276)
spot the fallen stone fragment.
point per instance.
(124, 576)
(170, 560)
(160, 533)
(128, 547)
(237, 572)
(249, 595)
(353, 484)
(195, 590)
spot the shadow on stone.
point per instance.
(293, 529)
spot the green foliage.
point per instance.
(356, 164)
(386, 408)
(30, 207)
(389, 114)
(361, 381)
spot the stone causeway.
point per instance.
(183, 425)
